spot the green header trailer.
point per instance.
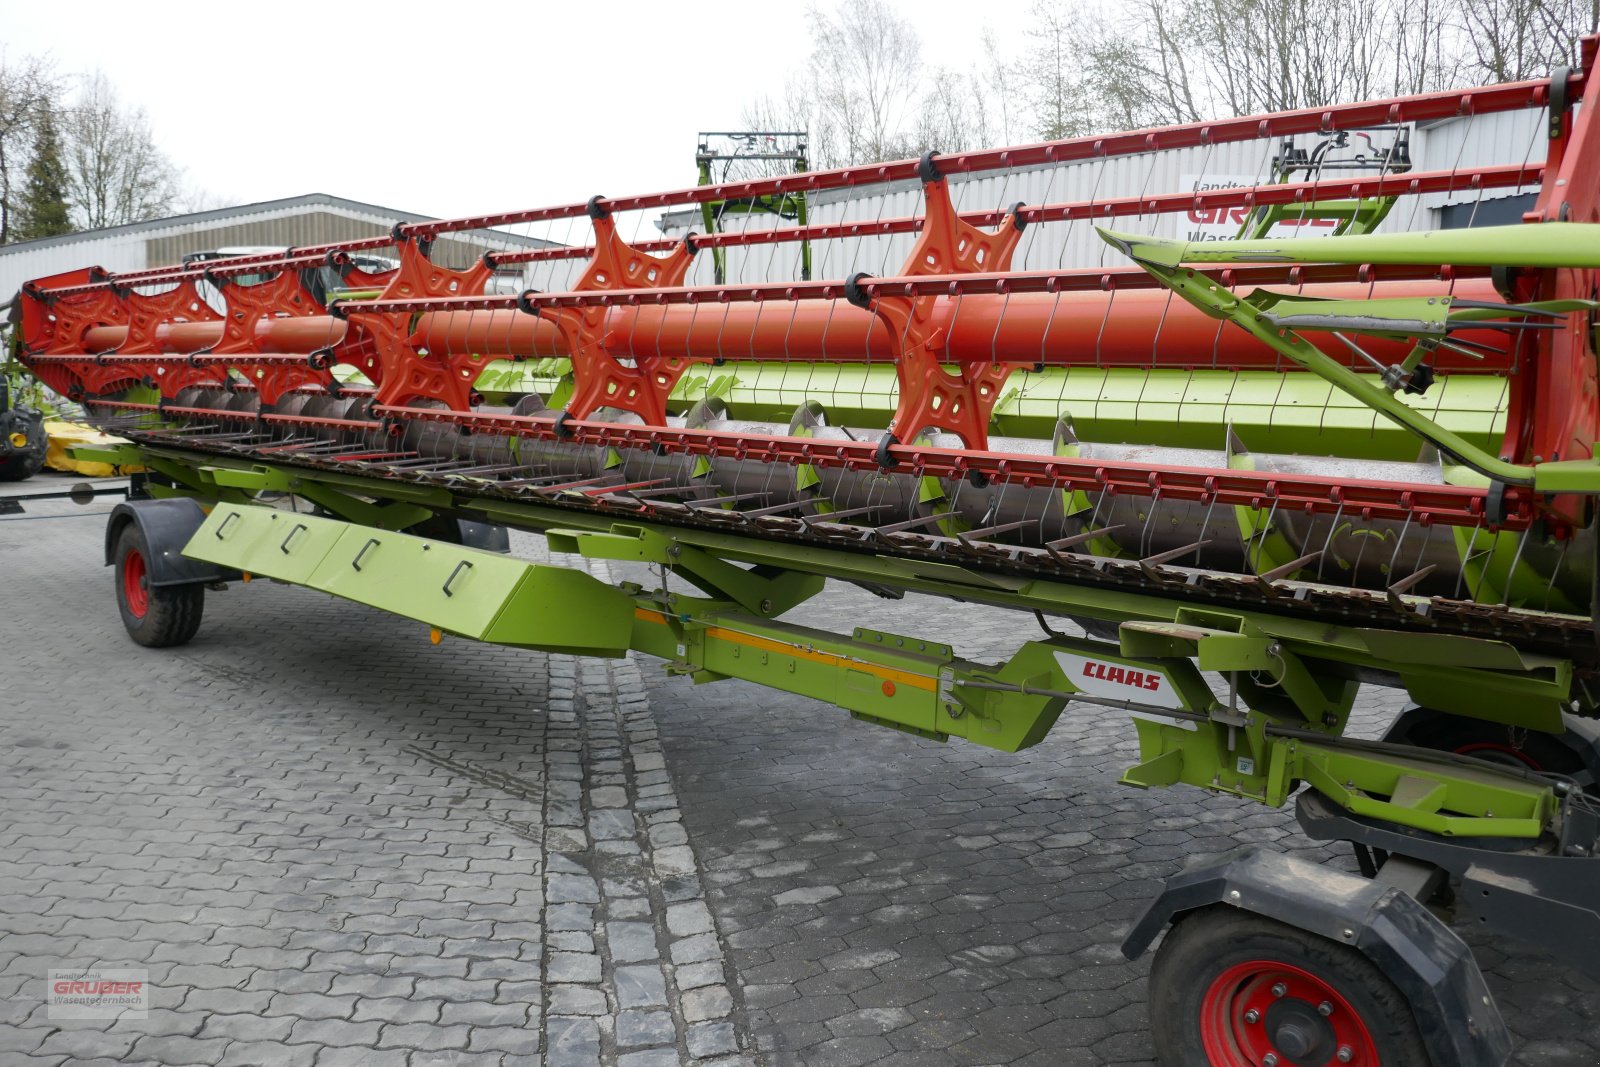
(1231, 481)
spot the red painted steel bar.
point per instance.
(1499, 177)
(1076, 280)
(1424, 107)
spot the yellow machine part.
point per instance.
(65, 436)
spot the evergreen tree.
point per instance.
(43, 210)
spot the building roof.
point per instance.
(241, 212)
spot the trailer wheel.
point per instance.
(21, 467)
(155, 616)
(1570, 754)
(1230, 988)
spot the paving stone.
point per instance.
(708, 1002)
(366, 1057)
(423, 1036)
(628, 908)
(577, 1000)
(484, 1014)
(268, 1054)
(640, 986)
(815, 894)
(573, 889)
(635, 1028)
(246, 1027)
(177, 1049)
(685, 920)
(712, 1039)
(608, 797)
(695, 975)
(311, 1006)
(458, 1058)
(397, 1010)
(334, 1032)
(570, 917)
(697, 949)
(656, 1057)
(630, 942)
(571, 1042)
(573, 967)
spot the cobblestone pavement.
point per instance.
(330, 842)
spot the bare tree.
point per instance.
(28, 87)
(192, 198)
(1051, 69)
(996, 90)
(1090, 65)
(1148, 62)
(790, 112)
(865, 67)
(1510, 40)
(117, 173)
(954, 116)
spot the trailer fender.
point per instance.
(167, 526)
(487, 536)
(1431, 966)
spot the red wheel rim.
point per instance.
(1262, 1007)
(1479, 748)
(135, 592)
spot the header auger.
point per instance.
(1299, 463)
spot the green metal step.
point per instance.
(480, 595)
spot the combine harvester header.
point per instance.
(1297, 463)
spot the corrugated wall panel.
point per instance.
(114, 253)
(1462, 144)
(298, 230)
(164, 244)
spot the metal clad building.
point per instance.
(1459, 144)
(313, 219)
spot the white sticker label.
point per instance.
(1101, 678)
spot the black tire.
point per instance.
(21, 466)
(21, 462)
(1219, 963)
(1521, 749)
(155, 616)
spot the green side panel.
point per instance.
(265, 542)
(481, 595)
(1176, 407)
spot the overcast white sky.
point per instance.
(451, 107)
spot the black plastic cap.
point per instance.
(884, 459)
(1559, 101)
(853, 292)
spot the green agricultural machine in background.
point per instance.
(1233, 480)
(22, 438)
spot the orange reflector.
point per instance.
(244, 576)
(435, 635)
(888, 688)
